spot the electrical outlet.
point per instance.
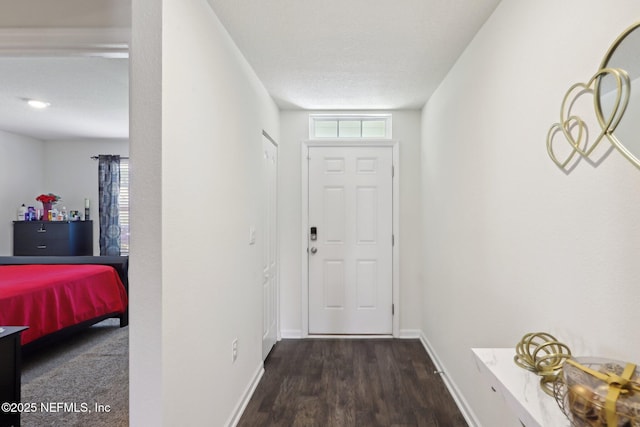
(234, 350)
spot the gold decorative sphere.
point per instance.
(581, 402)
(542, 354)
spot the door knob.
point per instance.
(314, 250)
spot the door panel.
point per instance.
(367, 283)
(333, 284)
(350, 273)
(334, 208)
(366, 214)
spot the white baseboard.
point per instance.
(349, 337)
(234, 419)
(292, 334)
(410, 333)
(461, 402)
(297, 334)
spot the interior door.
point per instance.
(350, 240)
(269, 251)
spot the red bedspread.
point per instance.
(48, 298)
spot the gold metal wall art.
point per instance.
(542, 354)
(616, 108)
(575, 129)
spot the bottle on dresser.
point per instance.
(22, 210)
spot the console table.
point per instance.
(519, 387)
(10, 371)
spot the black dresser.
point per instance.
(58, 238)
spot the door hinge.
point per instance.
(393, 309)
(393, 171)
(393, 240)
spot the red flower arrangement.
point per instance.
(48, 198)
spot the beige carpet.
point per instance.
(81, 382)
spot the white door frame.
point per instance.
(276, 236)
(304, 279)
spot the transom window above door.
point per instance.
(363, 126)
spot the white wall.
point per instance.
(206, 195)
(513, 244)
(29, 167)
(145, 242)
(73, 175)
(21, 174)
(295, 129)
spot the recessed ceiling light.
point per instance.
(34, 103)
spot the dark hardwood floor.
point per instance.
(351, 382)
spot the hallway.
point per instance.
(345, 382)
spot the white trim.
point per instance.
(304, 258)
(410, 333)
(234, 419)
(277, 235)
(458, 397)
(304, 278)
(290, 334)
(349, 337)
(104, 42)
(396, 238)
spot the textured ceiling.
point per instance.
(329, 54)
(58, 51)
(89, 97)
(355, 54)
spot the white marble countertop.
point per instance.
(520, 388)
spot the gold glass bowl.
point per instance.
(582, 396)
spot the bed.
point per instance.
(58, 295)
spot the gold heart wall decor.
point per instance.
(574, 128)
(611, 89)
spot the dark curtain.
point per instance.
(108, 192)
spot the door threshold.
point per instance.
(349, 337)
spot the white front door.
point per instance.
(269, 248)
(350, 240)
